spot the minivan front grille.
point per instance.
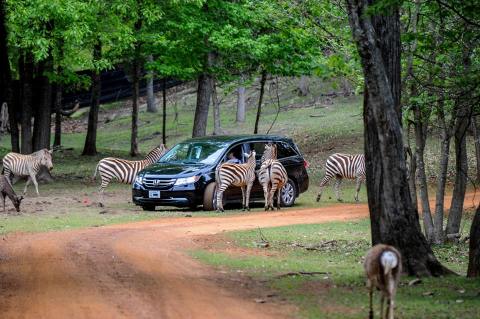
(161, 183)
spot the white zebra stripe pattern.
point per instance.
(240, 175)
(343, 166)
(27, 165)
(272, 176)
(124, 171)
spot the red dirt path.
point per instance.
(137, 270)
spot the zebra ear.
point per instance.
(50, 151)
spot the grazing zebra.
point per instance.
(343, 166)
(27, 165)
(6, 190)
(123, 170)
(272, 176)
(240, 175)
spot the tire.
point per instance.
(148, 208)
(209, 202)
(288, 194)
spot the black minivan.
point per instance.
(185, 175)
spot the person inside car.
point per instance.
(233, 159)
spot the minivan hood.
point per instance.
(172, 169)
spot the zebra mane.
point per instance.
(155, 154)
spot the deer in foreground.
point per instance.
(383, 267)
(7, 190)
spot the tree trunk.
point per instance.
(14, 96)
(442, 173)
(26, 78)
(216, 110)
(263, 79)
(303, 88)
(42, 123)
(57, 141)
(241, 105)
(90, 147)
(394, 220)
(476, 135)
(474, 251)
(204, 94)
(164, 112)
(7, 92)
(5, 74)
(420, 140)
(151, 103)
(136, 93)
(461, 170)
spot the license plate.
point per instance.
(153, 194)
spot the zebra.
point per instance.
(344, 166)
(241, 175)
(27, 165)
(6, 190)
(124, 170)
(272, 176)
(270, 152)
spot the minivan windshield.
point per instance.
(194, 153)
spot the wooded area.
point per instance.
(416, 63)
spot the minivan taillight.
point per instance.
(306, 164)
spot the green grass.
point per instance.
(341, 292)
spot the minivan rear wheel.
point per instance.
(209, 202)
(288, 194)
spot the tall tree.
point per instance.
(474, 251)
(393, 218)
(151, 103)
(90, 146)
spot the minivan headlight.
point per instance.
(187, 180)
(139, 179)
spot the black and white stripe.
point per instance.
(272, 176)
(343, 166)
(27, 165)
(124, 171)
(240, 175)
(270, 152)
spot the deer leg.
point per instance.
(382, 299)
(370, 312)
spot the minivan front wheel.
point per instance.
(288, 194)
(209, 200)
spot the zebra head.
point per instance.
(16, 202)
(45, 156)
(270, 152)
(250, 157)
(156, 153)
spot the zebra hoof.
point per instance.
(340, 200)
(266, 208)
(318, 198)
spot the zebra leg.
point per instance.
(357, 189)
(272, 195)
(324, 182)
(247, 201)
(3, 197)
(26, 185)
(243, 197)
(279, 194)
(220, 200)
(34, 180)
(265, 195)
(338, 183)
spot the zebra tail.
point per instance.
(95, 174)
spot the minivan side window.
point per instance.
(285, 150)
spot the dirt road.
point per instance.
(137, 270)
